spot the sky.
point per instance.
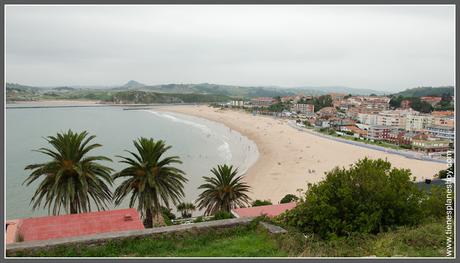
(385, 48)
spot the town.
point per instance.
(382, 120)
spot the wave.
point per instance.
(202, 127)
(225, 152)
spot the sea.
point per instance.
(201, 144)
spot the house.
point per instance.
(378, 132)
(268, 210)
(355, 130)
(431, 100)
(73, 225)
(262, 101)
(327, 112)
(308, 109)
(442, 132)
(430, 145)
(323, 123)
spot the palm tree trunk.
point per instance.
(148, 221)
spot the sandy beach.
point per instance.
(289, 158)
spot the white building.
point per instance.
(418, 122)
(368, 119)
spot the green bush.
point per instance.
(261, 202)
(198, 219)
(369, 197)
(222, 215)
(289, 198)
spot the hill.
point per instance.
(243, 91)
(426, 91)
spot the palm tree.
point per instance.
(186, 209)
(224, 191)
(71, 179)
(150, 180)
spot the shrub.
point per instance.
(289, 198)
(198, 219)
(222, 215)
(449, 171)
(261, 202)
(369, 197)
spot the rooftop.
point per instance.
(62, 226)
(269, 210)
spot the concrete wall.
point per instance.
(30, 246)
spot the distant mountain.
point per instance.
(132, 84)
(426, 91)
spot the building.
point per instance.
(303, 108)
(378, 132)
(418, 122)
(405, 104)
(237, 103)
(395, 118)
(262, 101)
(368, 119)
(357, 132)
(327, 112)
(73, 225)
(430, 145)
(268, 210)
(431, 100)
(442, 132)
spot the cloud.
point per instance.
(378, 47)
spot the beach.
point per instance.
(289, 159)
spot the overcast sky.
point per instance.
(385, 48)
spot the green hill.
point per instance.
(426, 91)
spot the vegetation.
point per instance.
(322, 102)
(449, 171)
(426, 91)
(224, 191)
(415, 103)
(151, 180)
(261, 203)
(425, 240)
(222, 215)
(71, 179)
(368, 198)
(289, 198)
(136, 97)
(242, 241)
(186, 209)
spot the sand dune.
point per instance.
(289, 159)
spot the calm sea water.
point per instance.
(199, 143)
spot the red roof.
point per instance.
(51, 227)
(269, 210)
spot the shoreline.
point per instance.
(289, 159)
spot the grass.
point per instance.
(236, 242)
(425, 240)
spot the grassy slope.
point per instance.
(238, 242)
(426, 240)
